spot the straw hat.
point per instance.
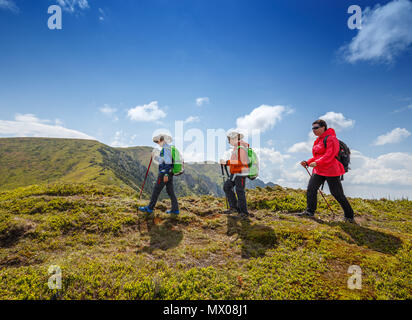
(235, 135)
(166, 138)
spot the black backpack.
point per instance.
(343, 155)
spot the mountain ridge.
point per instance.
(27, 161)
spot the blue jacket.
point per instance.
(165, 159)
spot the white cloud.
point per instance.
(191, 119)
(337, 121)
(293, 176)
(388, 175)
(102, 15)
(270, 155)
(72, 5)
(301, 147)
(9, 5)
(28, 125)
(146, 113)
(270, 142)
(261, 118)
(28, 118)
(271, 163)
(202, 101)
(387, 169)
(395, 136)
(403, 109)
(386, 32)
(122, 140)
(334, 120)
(191, 156)
(109, 111)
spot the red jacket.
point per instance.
(326, 163)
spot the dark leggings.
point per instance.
(335, 187)
(238, 204)
(170, 191)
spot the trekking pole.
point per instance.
(223, 177)
(322, 194)
(144, 181)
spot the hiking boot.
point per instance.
(306, 214)
(243, 215)
(173, 211)
(349, 220)
(146, 209)
(230, 211)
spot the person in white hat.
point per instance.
(165, 176)
(238, 165)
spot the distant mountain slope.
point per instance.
(27, 161)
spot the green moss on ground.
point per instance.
(106, 250)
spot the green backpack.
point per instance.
(253, 163)
(178, 163)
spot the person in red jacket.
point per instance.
(326, 167)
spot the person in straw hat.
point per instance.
(238, 165)
(165, 176)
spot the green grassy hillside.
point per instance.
(106, 250)
(26, 161)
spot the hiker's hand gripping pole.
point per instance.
(141, 190)
(306, 167)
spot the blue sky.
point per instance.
(113, 60)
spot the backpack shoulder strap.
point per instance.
(324, 141)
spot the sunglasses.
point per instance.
(315, 128)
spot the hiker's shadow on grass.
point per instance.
(256, 238)
(375, 240)
(162, 235)
(9, 240)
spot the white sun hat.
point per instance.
(235, 135)
(166, 138)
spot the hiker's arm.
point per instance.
(329, 155)
(156, 155)
(243, 159)
(310, 161)
(167, 161)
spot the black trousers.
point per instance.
(159, 187)
(238, 204)
(336, 189)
